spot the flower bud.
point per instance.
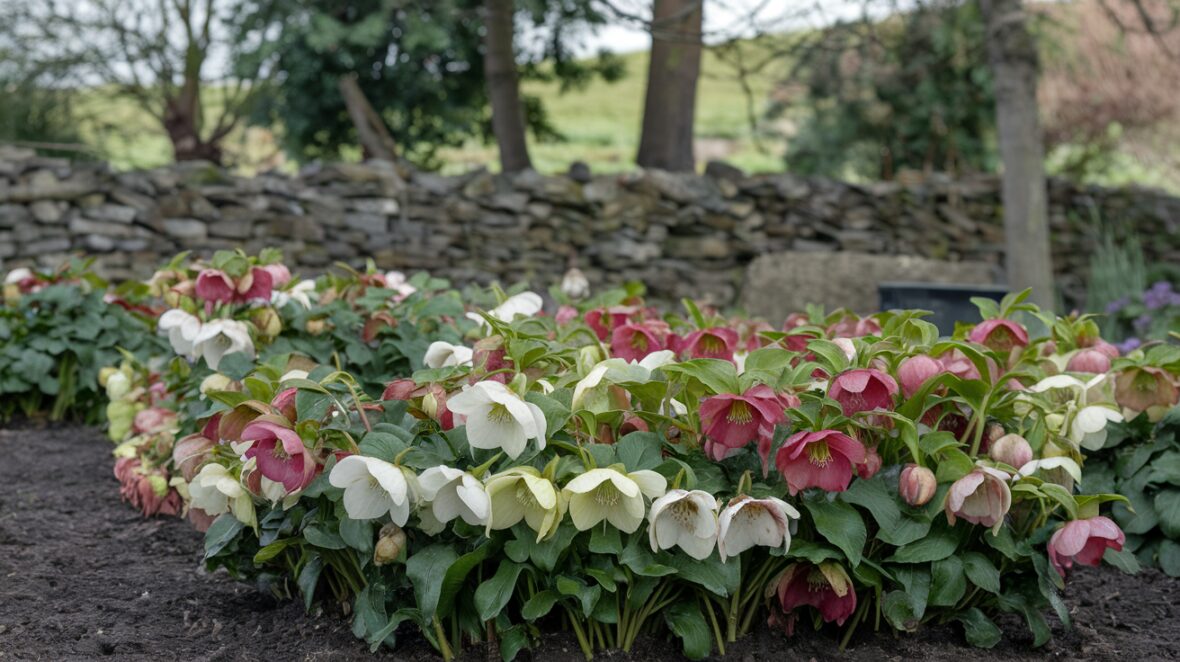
(316, 326)
(390, 542)
(917, 485)
(267, 321)
(588, 357)
(400, 389)
(216, 382)
(916, 371)
(574, 284)
(1089, 360)
(117, 385)
(1011, 449)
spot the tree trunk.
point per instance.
(670, 104)
(503, 88)
(371, 132)
(1012, 57)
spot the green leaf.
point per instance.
(1169, 557)
(982, 572)
(685, 620)
(954, 465)
(640, 450)
(512, 641)
(937, 545)
(492, 595)
(556, 413)
(979, 629)
(830, 355)
(221, 533)
(357, 534)
(539, 605)
(1167, 506)
(840, 524)
(309, 578)
(1126, 562)
(875, 497)
(236, 366)
(272, 550)
(321, 537)
(948, 582)
(721, 579)
(424, 569)
(717, 375)
(452, 583)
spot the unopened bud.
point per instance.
(390, 542)
(917, 485)
(1011, 449)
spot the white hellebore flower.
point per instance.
(17, 275)
(182, 329)
(301, 293)
(444, 355)
(1048, 463)
(221, 337)
(372, 487)
(454, 493)
(497, 418)
(611, 495)
(1089, 426)
(215, 491)
(525, 304)
(684, 519)
(397, 281)
(574, 284)
(747, 522)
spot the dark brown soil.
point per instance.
(82, 576)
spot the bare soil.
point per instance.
(82, 576)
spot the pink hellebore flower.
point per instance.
(981, 497)
(1084, 541)
(1090, 361)
(824, 459)
(633, 342)
(152, 420)
(999, 335)
(853, 327)
(280, 454)
(604, 320)
(915, 371)
(959, 365)
(255, 286)
(916, 485)
(280, 275)
(826, 587)
(215, 285)
(284, 401)
(863, 389)
(565, 315)
(731, 421)
(714, 343)
(871, 465)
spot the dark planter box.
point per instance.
(950, 303)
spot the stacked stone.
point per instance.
(680, 234)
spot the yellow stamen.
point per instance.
(819, 454)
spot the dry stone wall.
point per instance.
(680, 234)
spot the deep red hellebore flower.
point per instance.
(604, 320)
(714, 343)
(863, 389)
(632, 341)
(826, 587)
(1084, 541)
(280, 454)
(823, 459)
(731, 421)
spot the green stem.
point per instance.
(444, 646)
(587, 649)
(716, 627)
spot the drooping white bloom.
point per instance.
(684, 519)
(221, 337)
(1089, 426)
(454, 493)
(215, 491)
(611, 495)
(574, 284)
(182, 329)
(301, 293)
(523, 493)
(525, 304)
(497, 418)
(747, 522)
(372, 487)
(1045, 464)
(397, 281)
(17, 275)
(443, 354)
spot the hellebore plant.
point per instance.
(598, 469)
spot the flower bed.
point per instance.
(472, 467)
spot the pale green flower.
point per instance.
(612, 495)
(521, 493)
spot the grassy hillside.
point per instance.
(600, 124)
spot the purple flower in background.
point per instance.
(1128, 345)
(1117, 305)
(1142, 323)
(1160, 295)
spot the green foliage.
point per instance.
(1141, 461)
(914, 94)
(53, 343)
